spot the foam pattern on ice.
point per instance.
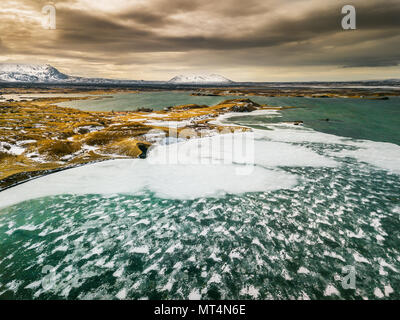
(138, 229)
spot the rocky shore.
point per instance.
(38, 137)
(354, 93)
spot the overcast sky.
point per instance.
(244, 40)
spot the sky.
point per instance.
(244, 40)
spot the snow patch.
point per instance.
(200, 79)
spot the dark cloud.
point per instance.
(379, 15)
(146, 17)
(230, 34)
(78, 26)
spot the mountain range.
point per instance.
(47, 74)
(200, 79)
(34, 73)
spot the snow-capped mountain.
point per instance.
(36, 73)
(200, 79)
(45, 73)
(30, 73)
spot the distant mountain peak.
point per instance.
(45, 73)
(15, 72)
(200, 79)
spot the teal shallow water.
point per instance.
(282, 244)
(133, 101)
(285, 244)
(376, 120)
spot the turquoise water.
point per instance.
(280, 244)
(376, 120)
(133, 101)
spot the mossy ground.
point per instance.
(38, 137)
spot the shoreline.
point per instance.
(41, 138)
